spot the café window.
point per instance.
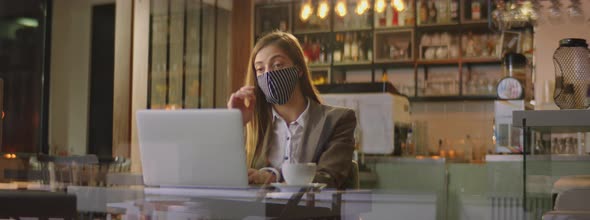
(23, 76)
(189, 53)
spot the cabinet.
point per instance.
(555, 143)
(446, 44)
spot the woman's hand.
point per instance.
(243, 100)
(260, 177)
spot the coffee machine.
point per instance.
(383, 114)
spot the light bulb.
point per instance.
(398, 5)
(362, 6)
(323, 9)
(380, 6)
(341, 9)
(306, 11)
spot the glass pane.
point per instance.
(193, 36)
(208, 57)
(159, 49)
(224, 33)
(21, 73)
(176, 53)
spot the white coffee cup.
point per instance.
(298, 173)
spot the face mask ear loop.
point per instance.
(299, 72)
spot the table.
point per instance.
(221, 203)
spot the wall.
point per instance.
(69, 79)
(547, 36)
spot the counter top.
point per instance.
(396, 159)
(507, 158)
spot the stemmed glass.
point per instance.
(575, 12)
(555, 14)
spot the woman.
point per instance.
(285, 118)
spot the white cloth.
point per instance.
(286, 139)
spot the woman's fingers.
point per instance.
(252, 175)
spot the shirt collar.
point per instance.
(300, 120)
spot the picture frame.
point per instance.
(509, 42)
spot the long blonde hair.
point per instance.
(261, 119)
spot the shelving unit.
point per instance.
(410, 34)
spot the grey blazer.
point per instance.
(331, 135)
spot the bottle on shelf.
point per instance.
(432, 12)
(338, 49)
(384, 76)
(354, 48)
(395, 17)
(306, 49)
(401, 17)
(368, 47)
(362, 47)
(347, 56)
(370, 53)
(469, 149)
(475, 10)
(315, 51)
(389, 11)
(423, 12)
(442, 11)
(409, 15)
(409, 151)
(381, 20)
(454, 10)
(322, 55)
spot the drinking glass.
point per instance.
(555, 14)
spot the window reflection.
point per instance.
(21, 70)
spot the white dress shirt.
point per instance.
(286, 139)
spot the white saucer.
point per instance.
(290, 188)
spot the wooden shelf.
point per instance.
(351, 63)
(476, 60)
(394, 28)
(311, 32)
(467, 22)
(352, 29)
(318, 65)
(388, 61)
(438, 62)
(451, 98)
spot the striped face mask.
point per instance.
(278, 85)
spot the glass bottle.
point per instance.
(338, 49)
(409, 15)
(409, 139)
(395, 17)
(354, 48)
(555, 146)
(389, 15)
(306, 49)
(454, 10)
(362, 47)
(322, 56)
(475, 10)
(401, 17)
(442, 11)
(316, 50)
(347, 47)
(423, 16)
(432, 12)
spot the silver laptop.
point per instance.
(188, 148)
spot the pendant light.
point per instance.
(341, 8)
